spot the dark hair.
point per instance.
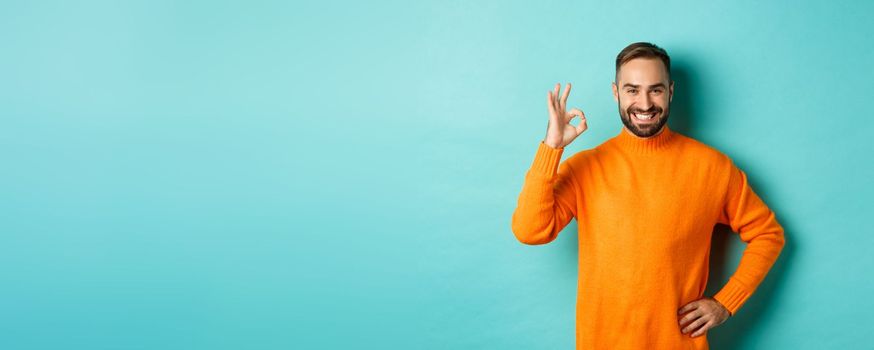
(644, 50)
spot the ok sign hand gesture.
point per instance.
(560, 132)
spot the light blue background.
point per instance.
(326, 175)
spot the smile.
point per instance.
(644, 117)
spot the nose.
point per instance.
(645, 102)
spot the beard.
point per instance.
(644, 130)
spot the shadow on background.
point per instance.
(682, 104)
(727, 247)
(732, 333)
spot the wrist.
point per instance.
(552, 145)
(722, 306)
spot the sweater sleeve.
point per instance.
(757, 225)
(548, 198)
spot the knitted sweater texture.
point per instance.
(646, 209)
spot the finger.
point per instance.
(688, 307)
(703, 329)
(550, 103)
(555, 94)
(577, 112)
(692, 316)
(694, 325)
(564, 96)
(582, 126)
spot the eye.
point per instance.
(657, 92)
(632, 91)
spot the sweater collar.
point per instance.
(627, 140)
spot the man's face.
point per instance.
(643, 89)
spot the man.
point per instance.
(646, 201)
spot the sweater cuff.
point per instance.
(733, 295)
(546, 160)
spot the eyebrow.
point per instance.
(662, 85)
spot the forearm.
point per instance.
(757, 225)
(758, 257)
(540, 214)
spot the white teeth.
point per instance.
(644, 116)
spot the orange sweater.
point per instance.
(646, 209)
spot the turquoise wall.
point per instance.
(326, 175)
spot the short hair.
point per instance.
(642, 50)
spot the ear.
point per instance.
(672, 91)
(616, 91)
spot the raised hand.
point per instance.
(560, 132)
